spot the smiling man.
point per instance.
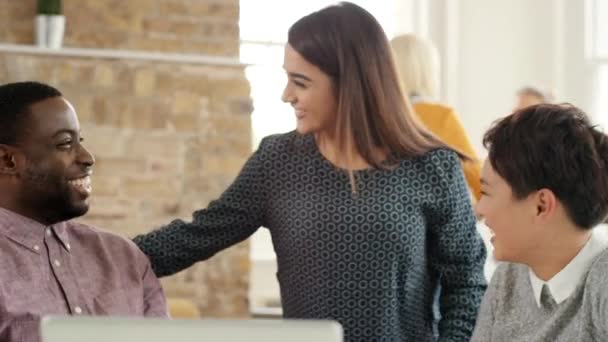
(49, 264)
(544, 191)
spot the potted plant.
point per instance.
(50, 24)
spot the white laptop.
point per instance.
(116, 329)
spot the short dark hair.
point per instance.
(555, 147)
(15, 101)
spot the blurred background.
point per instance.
(173, 95)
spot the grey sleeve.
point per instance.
(232, 218)
(598, 298)
(487, 310)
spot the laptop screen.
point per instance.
(116, 329)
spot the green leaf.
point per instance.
(50, 7)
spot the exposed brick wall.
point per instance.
(168, 137)
(178, 26)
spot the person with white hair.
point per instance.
(417, 62)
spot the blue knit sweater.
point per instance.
(374, 261)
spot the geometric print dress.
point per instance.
(379, 261)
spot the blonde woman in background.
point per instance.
(417, 61)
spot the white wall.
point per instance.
(490, 48)
(580, 74)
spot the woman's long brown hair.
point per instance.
(347, 43)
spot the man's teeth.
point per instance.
(84, 183)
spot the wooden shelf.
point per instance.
(122, 54)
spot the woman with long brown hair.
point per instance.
(369, 213)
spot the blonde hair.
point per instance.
(417, 62)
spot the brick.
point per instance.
(83, 104)
(228, 88)
(149, 114)
(162, 167)
(144, 7)
(84, 74)
(111, 112)
(64, 74)
(188, 122)
(161, 146)
(155, 207)
(171, 8)
(157, 24)
(122, 19)
(103, 207)
(79, 17)
(104, 76)
(186, 103)
(215, 10)
(144, 116)
(4, 75)
(120, 167)
(149, 42)
(120, 24)
(105, 186)
(192, 81)
(104, 142)
(220, 166)
(146, 187)
(21, 9)
(144, 82)
(104, 39)
(185, 29)
(217, 29)
(229, 122)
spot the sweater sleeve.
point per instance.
(232, 218)
(598, 299)
(456, 251)
(487, 310)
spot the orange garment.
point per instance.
(444, 123)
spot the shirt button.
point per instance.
(68, 246)
(77, 310)
(57, 263)
(36, 248)
(48, 231)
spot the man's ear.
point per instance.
(546, 204)
(8, 160)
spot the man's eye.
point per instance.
(65, 145)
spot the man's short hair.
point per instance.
(555, 147)
(15, 101)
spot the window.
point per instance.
(597, 50)
(598, 35)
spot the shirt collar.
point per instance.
(28, 232)
(563, 284)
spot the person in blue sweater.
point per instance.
(369, 213)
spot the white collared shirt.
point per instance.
(563, 284)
